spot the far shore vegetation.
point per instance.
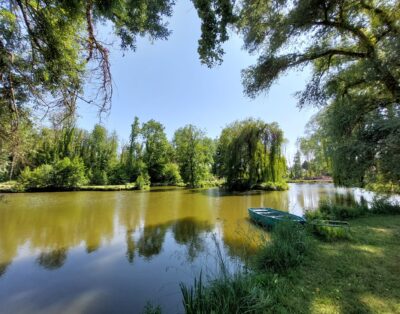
(247, 155)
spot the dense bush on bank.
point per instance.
(65, 174)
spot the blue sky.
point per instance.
(165, 81)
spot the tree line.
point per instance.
(247, 153)
(352, 48)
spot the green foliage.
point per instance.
(288, 247)
(330, 234)
(296, 170)
(238, 293)
(143, 181)
(334, 277)
(171, 174)
(118, 174)
(353, 50)
(194, 154)
(39, 178)
(249, 153)
(157, 150)
(152, 309)
(68, 173)
(382, 205)
(272, 186)
(63, 174)
(331, 210)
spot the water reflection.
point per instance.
(126, 241)
(189, 232)
(52, 260)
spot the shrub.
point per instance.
(288, 247)
(143, 181)
(64, 174)
(330, 210)
(382, 205)
(39, 178)
(271, 186)
(68, 173)
(171, 174)
(99, 177)
(330, 234)
(118, 175)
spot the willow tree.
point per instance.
(353, 49)
(249, 153)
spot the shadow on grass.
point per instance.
(357, 276)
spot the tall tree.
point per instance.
(134, 152)
(249, 153)
(157, 150)
(194, 154)
(353, 48)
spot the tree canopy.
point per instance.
(249, 153)
(48, 48)
(353, 49)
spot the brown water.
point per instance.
(102, 252)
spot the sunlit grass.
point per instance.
(359, 275)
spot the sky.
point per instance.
(165, 81)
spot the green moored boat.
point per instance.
(268, 217)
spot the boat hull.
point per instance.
(269, 217)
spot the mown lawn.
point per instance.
(356, 276)
(359, 275)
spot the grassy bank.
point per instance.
(12, 187)
(310, 181)
(356, 275)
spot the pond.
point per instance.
(102, 252)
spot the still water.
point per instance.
(102, 252)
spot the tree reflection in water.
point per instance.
(187, 231)
(190, 231)
(3, 268)
(53, 259)
(151, 241)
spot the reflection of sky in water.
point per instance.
(100, 252)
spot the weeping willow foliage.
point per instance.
(249, 153)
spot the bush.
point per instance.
(39, 178)
(68, 173)
(288, 247)
(143, 181)
(330, 210)
(272, 186)
(330, 234)
(171, 174)
(382, 205)
(64, 174)
(118, 175)
(99, 177)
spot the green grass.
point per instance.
(121, 187)
(310, 181)
(288, 247)
(359, 275)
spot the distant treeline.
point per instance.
(247, 154)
